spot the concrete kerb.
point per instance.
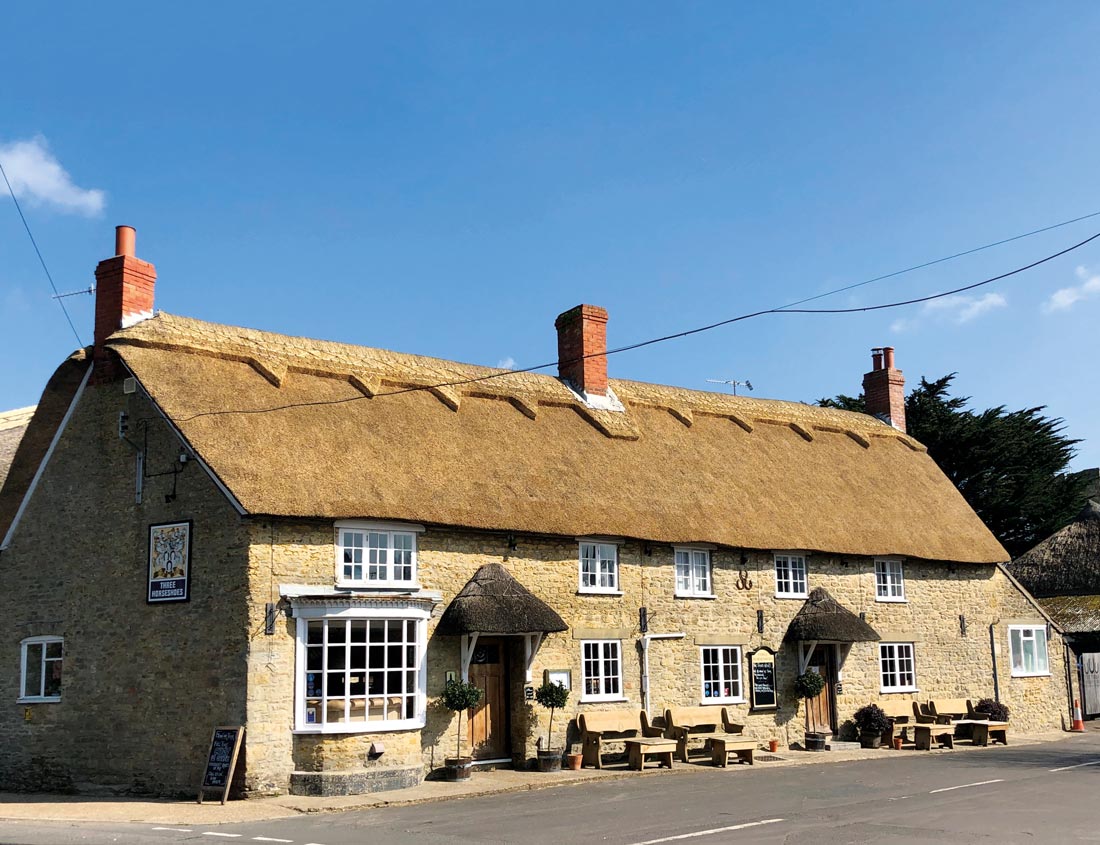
(82, 808)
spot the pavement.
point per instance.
(86, 808)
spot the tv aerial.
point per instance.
(733, 383)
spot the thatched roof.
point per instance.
(521, 453)
(12, 425)
(823, 618)
(494, 602)
(34, 439)
(1073, 614)
(1065, 563)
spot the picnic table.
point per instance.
(706, 723)
(638, 748)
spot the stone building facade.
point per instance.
(676, 534)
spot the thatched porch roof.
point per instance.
(1067, 563)
(823, 618)
(494, 602)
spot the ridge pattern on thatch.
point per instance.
(823, 618)
(1065, 563)
(494, 602)
(523, 453)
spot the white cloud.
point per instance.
(956, 309)
(37, 177)
(1066, 298)
(508, 363)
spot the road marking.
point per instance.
(900, 798)
(1079, 765)
(226, 835)
(708, 832)
(176, 829)
(269, 839)
(966, 785)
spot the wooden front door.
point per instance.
(489, 734)
(820, 712)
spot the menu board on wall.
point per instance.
(762, 679)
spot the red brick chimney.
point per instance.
(884, 388)
(582, 348)
(123, 296)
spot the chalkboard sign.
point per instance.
(762, 677)
(222, 760)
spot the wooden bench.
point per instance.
(983, 730)
(703, 723)
(638, 748)
(900, 714)
(949, 710)
(598, 726)
(924, 732)
(721, 747)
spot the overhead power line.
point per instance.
(41, 260)
(782, 309)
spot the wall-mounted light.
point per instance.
(269, 618)
(643, 619)
(647, 550)
(512, 544)
(863, 615)
(760, 622)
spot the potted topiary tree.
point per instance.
(553, 696)
(459, 696)
(873, 723)
(809, 685)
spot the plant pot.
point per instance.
(897, 743)
(773, 745)
(574, 761)
(815, 741)
(870, 740)
(549, 761)
(458, 768)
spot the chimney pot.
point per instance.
(876, 358)
(888, 357)
(125, 240)
(582, 348)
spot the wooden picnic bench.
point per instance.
(599, 726)
(721, 747)
(984, 730)
(704, 723)
(638, 748)
(924, 732)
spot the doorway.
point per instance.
(489, 729)
(821, 710)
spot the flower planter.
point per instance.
(574, 761)
(458, 768)
(773, 745)
(870, 740)
(815, 741)
(897, 743)
(549, 761)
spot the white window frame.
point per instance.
(1024, 631)
(789, 558)
(389, 530)
(602, 696)
(694, 590)
(336, 612)
(898, 671)
(890, 579)
(599, 546)
(724, 660)
(24, 695)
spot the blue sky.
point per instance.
(445, 179)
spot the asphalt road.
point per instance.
(1045, 793)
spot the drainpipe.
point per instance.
(645, 664)
(993, 654)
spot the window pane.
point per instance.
(34, 669)
(1017, 650)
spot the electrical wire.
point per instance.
(41, 260)
(783, 309)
